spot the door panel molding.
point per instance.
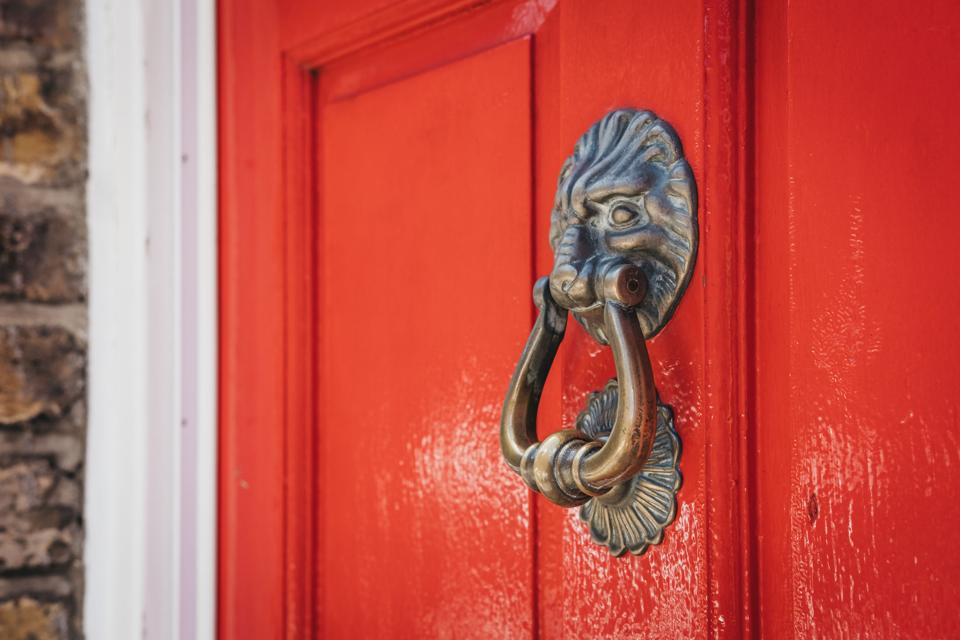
(727, 258)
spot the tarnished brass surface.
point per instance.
(626, 195)
(624, 234)
(632, 516)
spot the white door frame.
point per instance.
(150, 505)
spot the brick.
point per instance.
(42, 258)
(40, 23)
(29, 619)
(41, 373)
(39, 516)
(42, 126)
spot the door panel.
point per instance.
(859, 357)
(425, 260)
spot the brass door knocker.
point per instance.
(624, 235)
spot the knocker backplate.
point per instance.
(633, 515)
(626, 194)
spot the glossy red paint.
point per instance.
(424, 289)
(858, 353)
(690, 586)
(251, 559)
(387, 171)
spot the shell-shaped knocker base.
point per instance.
(632, 516)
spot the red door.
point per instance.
(387, 175)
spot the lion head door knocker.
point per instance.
(624, 236)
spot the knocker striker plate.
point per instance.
(633, 515)
(624, 235)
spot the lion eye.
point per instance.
(623, 215)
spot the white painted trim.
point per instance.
(115, 478)
(150, 556)
(207, 317)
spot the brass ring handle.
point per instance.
(568, 467)
(624, 235)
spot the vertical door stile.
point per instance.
(728, 289)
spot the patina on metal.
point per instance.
(624, 234)
(632, 515)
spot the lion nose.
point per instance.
(571, 286)
(571, 282)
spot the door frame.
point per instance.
(151, 443)
(268, 95)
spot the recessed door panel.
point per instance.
(425, 271)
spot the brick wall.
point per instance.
(42, 317)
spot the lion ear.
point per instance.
(662, 137)
(565, 172)
(681, 188)
(561, 204)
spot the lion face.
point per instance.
(625, 195)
